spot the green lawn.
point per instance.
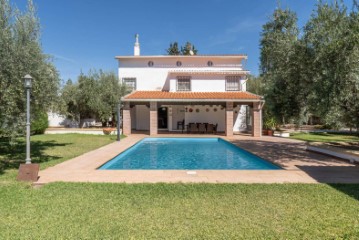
(167, 211)
(325, 137)
(179, 211)
(48, 150)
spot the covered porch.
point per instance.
(159, 111)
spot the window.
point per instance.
(179, 63)
(150, 63)
(130, 83)
(209, 63)
(183, 84)
(233, 83)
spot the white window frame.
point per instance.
(183, 79)
(231, 81)
(127, 80)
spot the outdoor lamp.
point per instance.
(28, 171)
(27, 80)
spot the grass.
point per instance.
(180, 211)
(325, 137)
(166, 211)
(49, 149)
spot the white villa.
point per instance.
(170, 93)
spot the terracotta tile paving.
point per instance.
(299, 165)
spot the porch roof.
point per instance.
(165, 96)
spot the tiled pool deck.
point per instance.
(299, 165)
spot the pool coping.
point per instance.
(84, 168)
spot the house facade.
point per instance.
(170, 92)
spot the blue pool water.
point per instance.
(186, 153)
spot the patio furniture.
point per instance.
(180, 125)
(188, 127)
(210, 128)
(201, 128)
(193, 128)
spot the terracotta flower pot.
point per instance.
(108, 131)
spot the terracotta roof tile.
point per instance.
(138, 95)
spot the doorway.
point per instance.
(162, 117)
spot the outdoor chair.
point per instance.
(201, 128)
(193, 127)
(188, 126)
(210, 128)
(180, 125)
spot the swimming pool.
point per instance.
(187, 154)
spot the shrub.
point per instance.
(270, 123)
(39, 123)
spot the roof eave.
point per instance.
(190, 100)
(239, 56)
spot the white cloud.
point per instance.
(247, 25)
(58, 57)
(233, 33)
(221, 39)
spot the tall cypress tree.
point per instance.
(185, 50)
(188, 49)
(173, 49)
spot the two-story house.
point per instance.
(171, 91)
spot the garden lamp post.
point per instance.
(28, 80)
(28, 171)
(119, 121)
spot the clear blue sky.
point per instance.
(85, 34)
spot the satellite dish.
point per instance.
(191, 52)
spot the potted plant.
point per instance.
(269, 126)
(108, 131)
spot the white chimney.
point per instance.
(137, 46)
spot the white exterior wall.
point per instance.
(208, 83)
(243, 85)
(57, 120)
(162, 76)
(142, 117)
(159, 77)
(178, 114)
(214, 117)
(133, 118)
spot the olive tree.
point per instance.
(21, 54)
